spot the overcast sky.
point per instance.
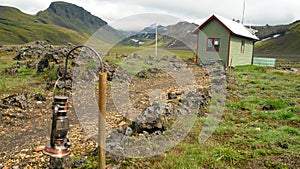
(257, 12)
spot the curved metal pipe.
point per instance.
(82, 46)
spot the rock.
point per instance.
(110, 76)
(153, 70)
(61, 71)
(81, 162)
(136, 56)
(11, 70)
(165, 58)
(179, 92)
(39, 42)
(294, 70)
(267, 107)
(16, 101)
(142, 74)
(50, 57)
(283, 145)
(30, 65)
(122, 123)
(20, 56)
(128, 131)
(38, 148)
(42, 64)
(173, 59)
(193, 99)
(115, 148)
(39, 97)
(16, 115)
(172, 95)
(61, 85)
(150, 57)
(153, 118)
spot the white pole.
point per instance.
(155, 39)
(244, 6)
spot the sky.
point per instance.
(257, 12)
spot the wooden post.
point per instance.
(101, 121)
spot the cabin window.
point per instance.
(213, 45)
(242, 46)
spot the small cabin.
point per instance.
(223, 40)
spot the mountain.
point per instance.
(177, 36)
(281, 41)
(70, 16)
(17, 27)
(59, 24)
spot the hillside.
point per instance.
(280, 41)
(70, 16)
(176, 36)
(17, 27)
(59, 24)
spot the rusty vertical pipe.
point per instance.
(102, 121)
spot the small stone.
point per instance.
(153, 70)
(294, 70)
(38, 148)
(267, 107)
(128, 131)
(123, 123)
(142, 74)
(285, 146)
(172, 95)
(39, 97)
(39, 102)
(257, 129)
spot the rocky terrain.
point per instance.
(26, 116)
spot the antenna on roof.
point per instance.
(244, 6)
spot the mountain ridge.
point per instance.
(70, 16)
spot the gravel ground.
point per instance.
(24, 133)
(25, 129)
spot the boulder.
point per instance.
(153, 118)
(42, 64)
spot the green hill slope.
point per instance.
(284, 45)
(59, 24)
(17, 27)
